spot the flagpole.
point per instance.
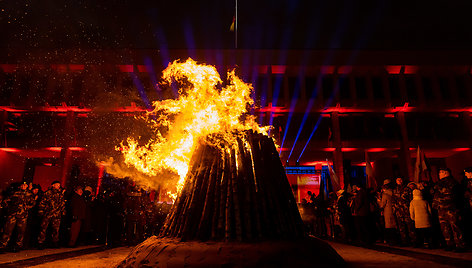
(236, 25)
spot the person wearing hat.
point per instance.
(402, 195)
(344, 214)
(387, 207)
(467, 188)
(420, 213)
(467, 184)
(17, 206)
(51, 209)
(445, 201)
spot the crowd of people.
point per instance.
(31, 218)
(399, 213)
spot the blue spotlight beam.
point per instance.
(368, 29)
(293, 103)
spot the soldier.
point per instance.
(17, 206)
(467, 184)
(445, 201)
(51, 209)
(467, 189)
(402, 196)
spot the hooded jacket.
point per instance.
(420, 210)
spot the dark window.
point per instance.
(410, 85)
(394, 87)
(6, 88)
(461, 88)
(261, 90)
(427, 88)
(327, 84)
(294, 87)
(377, 88)
(278, 91)
(444, 88)
(344, 90)
(361, 87)
(310, 85)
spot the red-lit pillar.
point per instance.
(337, 154)
(101, 172)
(66, 154)
(405, 148)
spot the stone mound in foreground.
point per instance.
(170, 252)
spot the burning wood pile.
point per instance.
(232, 186)
(235, 193)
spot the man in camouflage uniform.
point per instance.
(51, 208)
(445, 201)
(467, 184)
(17, 206)
(402, 196)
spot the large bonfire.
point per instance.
(204, 107)
(232, 184)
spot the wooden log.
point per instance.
(229, 200)
(216, 198)
(235, 195)
(223, 197)
(208, 203)
(196, 203)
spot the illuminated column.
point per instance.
(66, 153)
(101, 172)
(337, 154)
(405, 149)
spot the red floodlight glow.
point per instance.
(9, 68)
(10, 150)
(376, 150)
(76, 67)
(329, 149)
(54, 149)
(77, 148)
(348, 149)
(278, 69)
(327, 69)
(262, 69)
(410, 69)
(461, 149)
(126, 68)
(344, 69)
(393, 69)
(143, 69)
(60, 68)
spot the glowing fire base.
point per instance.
(235, 192)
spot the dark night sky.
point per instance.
(315, 24)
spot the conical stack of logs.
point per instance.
(235, 192)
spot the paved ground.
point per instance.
(376, 256)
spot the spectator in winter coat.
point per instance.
(389, 217)
(420, 213)
(78, 210)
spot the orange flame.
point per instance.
(204, 107)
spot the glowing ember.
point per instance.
(205, 106)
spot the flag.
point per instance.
(231, 28)
(323, 188)
(334, 178)
(369, 171)
(420, 167)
